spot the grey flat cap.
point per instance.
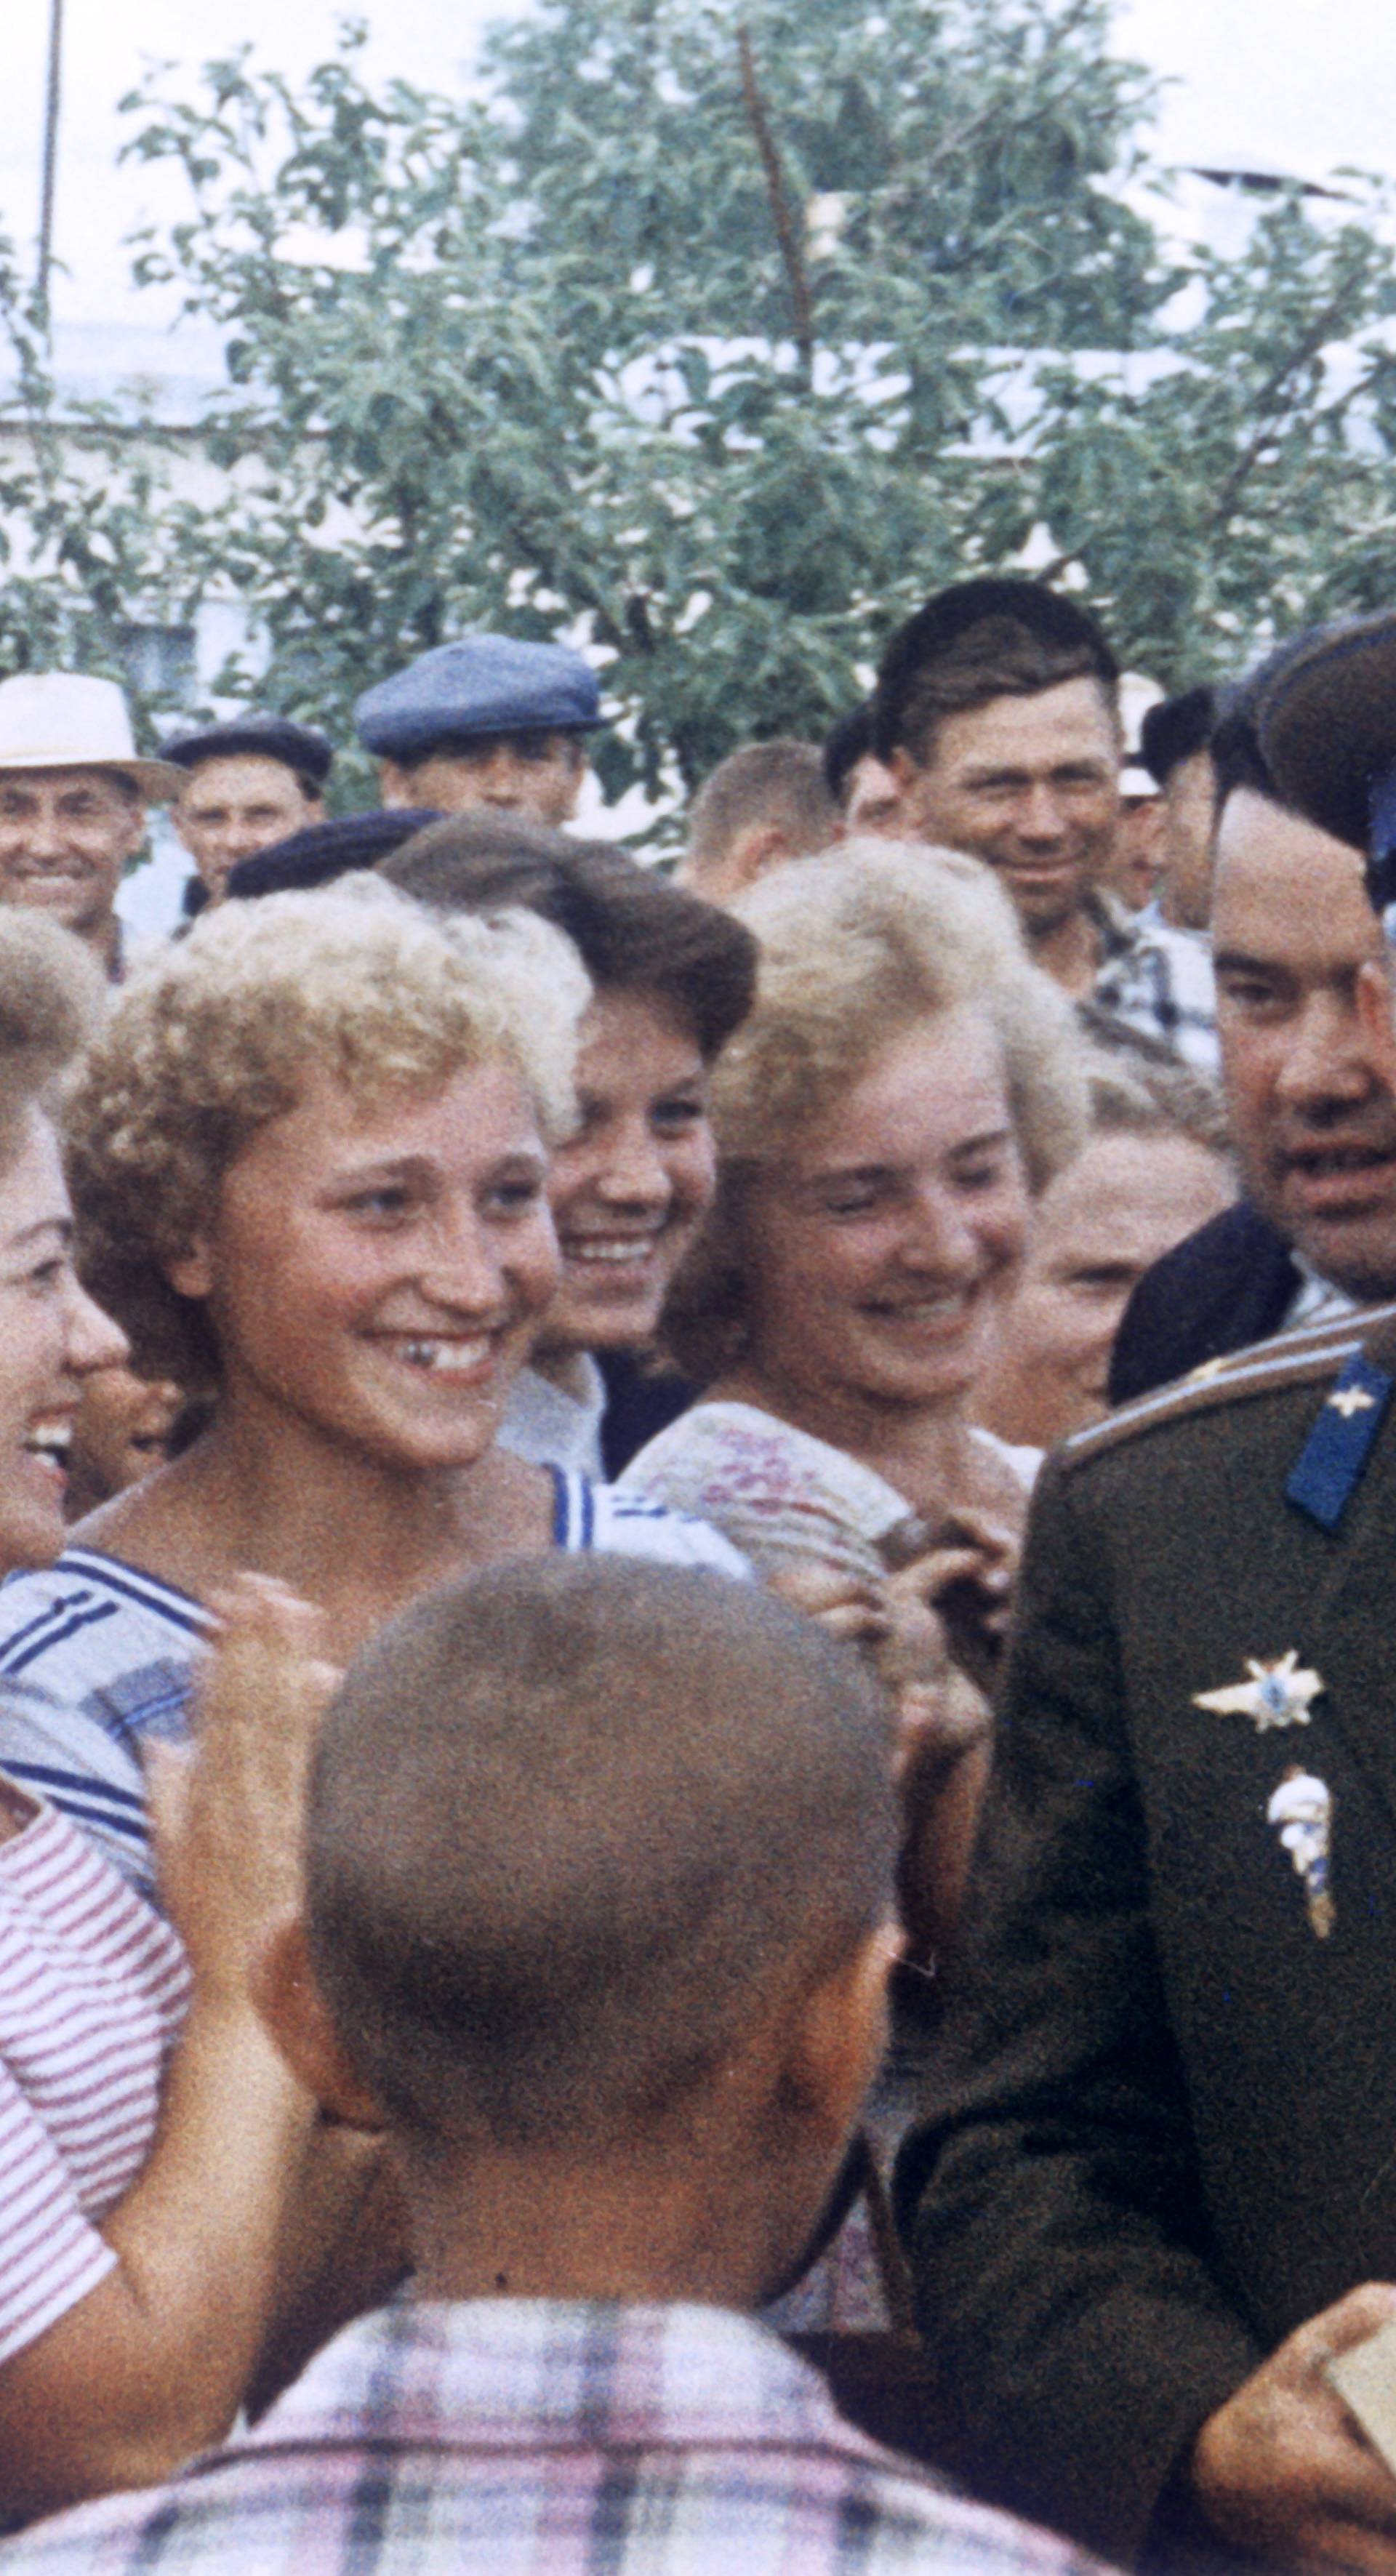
(483, 684)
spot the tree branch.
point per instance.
(786, 233)
(1268, 402)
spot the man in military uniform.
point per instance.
(1155, 2190)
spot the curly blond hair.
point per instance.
(858, 945)
(219, 1034)
(51, 992)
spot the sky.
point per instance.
(1300, 85)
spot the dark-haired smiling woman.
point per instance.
(672, 976)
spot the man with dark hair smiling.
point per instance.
(997, 714)
(608, 1959)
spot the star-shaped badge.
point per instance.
(1350, 1400)
(1273, 1694)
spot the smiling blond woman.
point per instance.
(904, 1084)
(310, 1155)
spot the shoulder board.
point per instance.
(1363, 1343)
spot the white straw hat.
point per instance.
(58, 720)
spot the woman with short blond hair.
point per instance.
(309, 1153)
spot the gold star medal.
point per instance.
(1272, 1694)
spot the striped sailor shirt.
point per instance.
(97, 1658)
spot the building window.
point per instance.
(159, 663)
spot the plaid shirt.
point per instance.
(519, 2437)
(1157, 979)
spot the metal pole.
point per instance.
(51, 101)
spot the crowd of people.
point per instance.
(634, 1934)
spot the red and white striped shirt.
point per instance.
(93, 1990)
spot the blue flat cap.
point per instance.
(264, 737)
(483, 684)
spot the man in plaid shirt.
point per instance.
(599, 1919)
(997, 714)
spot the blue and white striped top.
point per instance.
(97, 1657)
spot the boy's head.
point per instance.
(599, 1871)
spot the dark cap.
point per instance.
(484, 684)
(1325, 717)
(1176, 730)
(1049, 616)
(324, 851)
(256, 736)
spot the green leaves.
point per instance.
(718, 355)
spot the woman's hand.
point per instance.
(966, 1574)
(229, 1814)
(944, 1722)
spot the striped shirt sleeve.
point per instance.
(50, 2255)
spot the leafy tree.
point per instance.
(720, 335)
(675, 330)
(89, 531)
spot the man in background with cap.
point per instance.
(1154, 2195)
(487, 722)
(997, 712)
(1175, 747)
(1135, 864)
(73, 800)
(247, 784)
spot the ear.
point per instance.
(290, 2003)
(190, 1274)
(836, 2035)
(759, 847)
(903, 768)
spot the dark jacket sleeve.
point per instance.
(1220, 1289)
(1050, 2196)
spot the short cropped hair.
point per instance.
(1132, 1097)
(555, 1870)
(997, 636)
(858, 946)
(766, 783)
(219, 1034)
(634, 931)
(51, 992)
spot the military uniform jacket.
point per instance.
(1164, 2129)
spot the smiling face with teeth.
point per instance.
(881, 1248)
(375, 1273)
(630, 1188)
(51, 1337)
(1308, 1092)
